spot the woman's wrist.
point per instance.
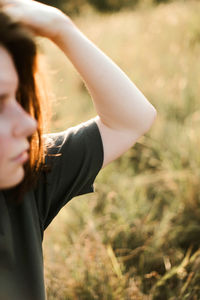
(61, 24)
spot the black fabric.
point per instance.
(76, 156)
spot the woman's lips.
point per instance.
(21, 158)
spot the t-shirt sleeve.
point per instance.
(75, 157)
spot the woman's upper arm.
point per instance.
(115, 142)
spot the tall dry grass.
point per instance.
(138, 236)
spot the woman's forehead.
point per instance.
(8, 73)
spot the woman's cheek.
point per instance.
(4, 166)
(5, 149)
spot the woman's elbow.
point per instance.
(149, 119)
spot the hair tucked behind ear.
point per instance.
(19, 42)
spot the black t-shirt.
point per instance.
(76, 156)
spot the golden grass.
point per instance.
(129, 239)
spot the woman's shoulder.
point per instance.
(72, 135)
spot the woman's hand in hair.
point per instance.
(41, 19)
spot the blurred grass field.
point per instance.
(138, 236)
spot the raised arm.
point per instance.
(123, 113)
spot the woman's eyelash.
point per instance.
(3, 98)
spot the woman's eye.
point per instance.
(3, 99)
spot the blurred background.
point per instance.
(138, 236)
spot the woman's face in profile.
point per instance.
(15, 125)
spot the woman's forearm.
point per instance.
(118, 102)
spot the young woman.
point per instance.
(30, 193)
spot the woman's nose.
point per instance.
(25, 125)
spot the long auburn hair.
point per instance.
(19, 42)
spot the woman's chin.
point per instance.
(18, 177)
(13, 180)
